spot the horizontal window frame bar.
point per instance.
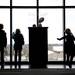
(47, 7)
(27, 63)
(58, 62)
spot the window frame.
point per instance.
(37, 7)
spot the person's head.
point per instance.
(34, 25)
(68, 31)
(1, 26)
(17, 31)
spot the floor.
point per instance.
(38, 72)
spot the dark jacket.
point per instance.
(69, 43)
(3, 39)
(19, 41)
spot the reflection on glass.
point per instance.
(50, 2)
(24, 2)
(22, 19)
(4, 2)
(5, 20)
(53, 20)
(70, 2)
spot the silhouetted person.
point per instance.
(68, 45)
(3, 43)
(34, 25)
(19, 42)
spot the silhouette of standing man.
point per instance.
(3, 43)
(19, 41)
(69, 45)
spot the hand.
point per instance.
(58, 38)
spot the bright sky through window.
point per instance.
(24, 2)
(53, 20)
(22, 19)
(70, 19)
(4, 2)
(50, 2)
(70, 2)
(5, 20)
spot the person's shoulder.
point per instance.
(3, 31)
(21, 35)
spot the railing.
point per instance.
(53, 53)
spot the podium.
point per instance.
(38, 47)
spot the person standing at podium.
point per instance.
(19, 42)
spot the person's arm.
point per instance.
(13, 35)
(22, 38)
(5, 40)
(61, 38)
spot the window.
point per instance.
(70, 23)
(24, 3)
(22, 19)
(50, 2)
(70, 2)
(58, 14)
(4, 2)
(5, 20)
(53, 20)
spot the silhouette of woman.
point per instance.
(68, 45)
(19, 41)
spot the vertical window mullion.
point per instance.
(63, 30)
(37, 11)
(10, 34)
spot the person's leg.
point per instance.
(19, 59)
(16, 59)
(71, 60)
(2, 59)
(67, 60)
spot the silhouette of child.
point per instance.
(68, 45)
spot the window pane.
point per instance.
(50, 2)
(4, 2)
(53, 20)
(70, 21)
(5, 20)
(22, 19)
(70, 2)
(24, 2)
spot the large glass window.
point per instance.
(70, 2)
(50, 2)
(53, 20)
(24, 2)
(5, 20)
(22, 14)
(22, 19)
(70, 20)
(4, 2)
